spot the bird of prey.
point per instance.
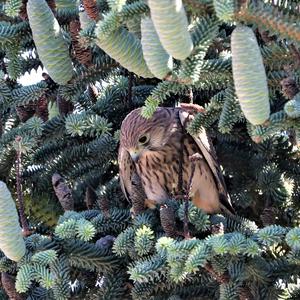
(158, 149)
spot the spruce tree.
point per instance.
(59, 144)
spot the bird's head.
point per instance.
(139, 135)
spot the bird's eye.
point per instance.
(143, 139)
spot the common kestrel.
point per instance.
(155, 148)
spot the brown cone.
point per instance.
(245, 294)
(105, 242)
(51, 4)
(289, 87)
(217, 228)
(63, 192)
(23, 11)
(266, 37)
(90, 197)
(92, 92)
(103, 203)
(64, 106)
(167, 219)
(90, 6)
(25, 112)
(138, 196)
(268, 217)
(42, 108)
(83, 55)
(8, 283)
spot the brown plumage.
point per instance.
(154, 149)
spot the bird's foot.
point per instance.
(192, 108)
(150, 203)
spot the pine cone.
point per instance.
(138, 195)
(289, 87)
(103, 203)
(90, 197)
(245, 294)
(52, 86)
(105, 242)
(266, 37)
(25, 112)
(268, 217)
(8, 283)
(41, 109)
(51, 4)
(90, 6)
(83, 55)
(221, 278)
(167, 219)
(64, 106)
(23, 11)
(63, 192)
(217, 228)
(92, 92)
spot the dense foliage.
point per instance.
(59, 141)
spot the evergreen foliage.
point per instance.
(105, 58)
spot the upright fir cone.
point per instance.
(103, 203)
(52, 86)
(266, 36)
(289, 87)
(220, 278)
(83, 54)
(92, 92)
(63, 192)
(64, 106)
(90, 197)
(268, 216)
(290, 90)
(8, 283)
(167, 219)
(296, 55)
(90, 6)
(217, 229)
(138, 196)
(23, 11)
(20, 194)
(25, 112)
(105, 242)
(41, 109)
(245, 294)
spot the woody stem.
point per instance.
(23, 219)
(186, 203)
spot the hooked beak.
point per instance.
(135, 155)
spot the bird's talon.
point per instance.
(191, 107)
(150, 203)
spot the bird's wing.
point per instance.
(207, 150)
(126, 169)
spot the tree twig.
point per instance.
(129, 94)
(20, 195)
